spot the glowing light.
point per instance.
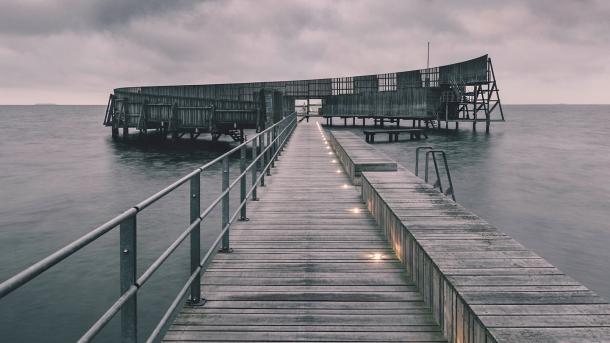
(334, 161)
(376, 256)
(330, 152)
(338, 171)
(345, 186)
(356, 210)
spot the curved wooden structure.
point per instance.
(464, 91)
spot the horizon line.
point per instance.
(504, 104)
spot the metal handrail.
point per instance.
(417, 158)
(263, 159)
(438, 176)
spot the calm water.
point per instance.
(542, 177)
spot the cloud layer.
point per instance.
(71, 51)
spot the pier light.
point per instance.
(334, 161)
(345, 186)
(376, 256)
(338, 171)
(355, 210)
(330, 152)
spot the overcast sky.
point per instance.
(77, 51)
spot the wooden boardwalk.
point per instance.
(467, 268)
(310, 265)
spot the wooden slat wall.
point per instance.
(358, 96)
(469, 72)
(416, 103)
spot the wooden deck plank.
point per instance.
(311, 264)
(489, 281)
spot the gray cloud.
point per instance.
(34, 17)
(70, 51)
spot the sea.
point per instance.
(542, 177)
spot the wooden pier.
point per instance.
(321, 259)
(311, 264)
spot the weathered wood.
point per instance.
(310, 265)
(356, 156)
(482, 285)
(414, 134)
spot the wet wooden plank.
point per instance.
(488, 280)
(311, 264)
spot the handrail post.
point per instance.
(280, 144)
(417, 157)
(225, 205)
(262, 160)
(254, 169)
(450, 189)
(242, 183)
(426, 167)
(195, 297)
(275, 142)
(128, 260)
(268, 154)
(438, 175)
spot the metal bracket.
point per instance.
(225, 251)
(198, 303)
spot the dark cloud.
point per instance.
(71, 51)
(46, 17)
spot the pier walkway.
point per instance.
(323, 260)
(311, 264)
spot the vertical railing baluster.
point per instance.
(254, 169)
(195, 190)
(263, 158)
(128, 257)
(274, 136)
(242, 183)
(225, 204)
(268, 154)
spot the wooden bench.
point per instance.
(393, 134)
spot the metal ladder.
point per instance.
(433, 152)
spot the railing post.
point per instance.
(426, 168)
(275, 142)
(242, 183)
(225, 205)
(263, 158)
(268, 154)
(254, 169)
(129, 311)
(280, 146)
(195, 297)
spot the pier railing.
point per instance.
(266, 147)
